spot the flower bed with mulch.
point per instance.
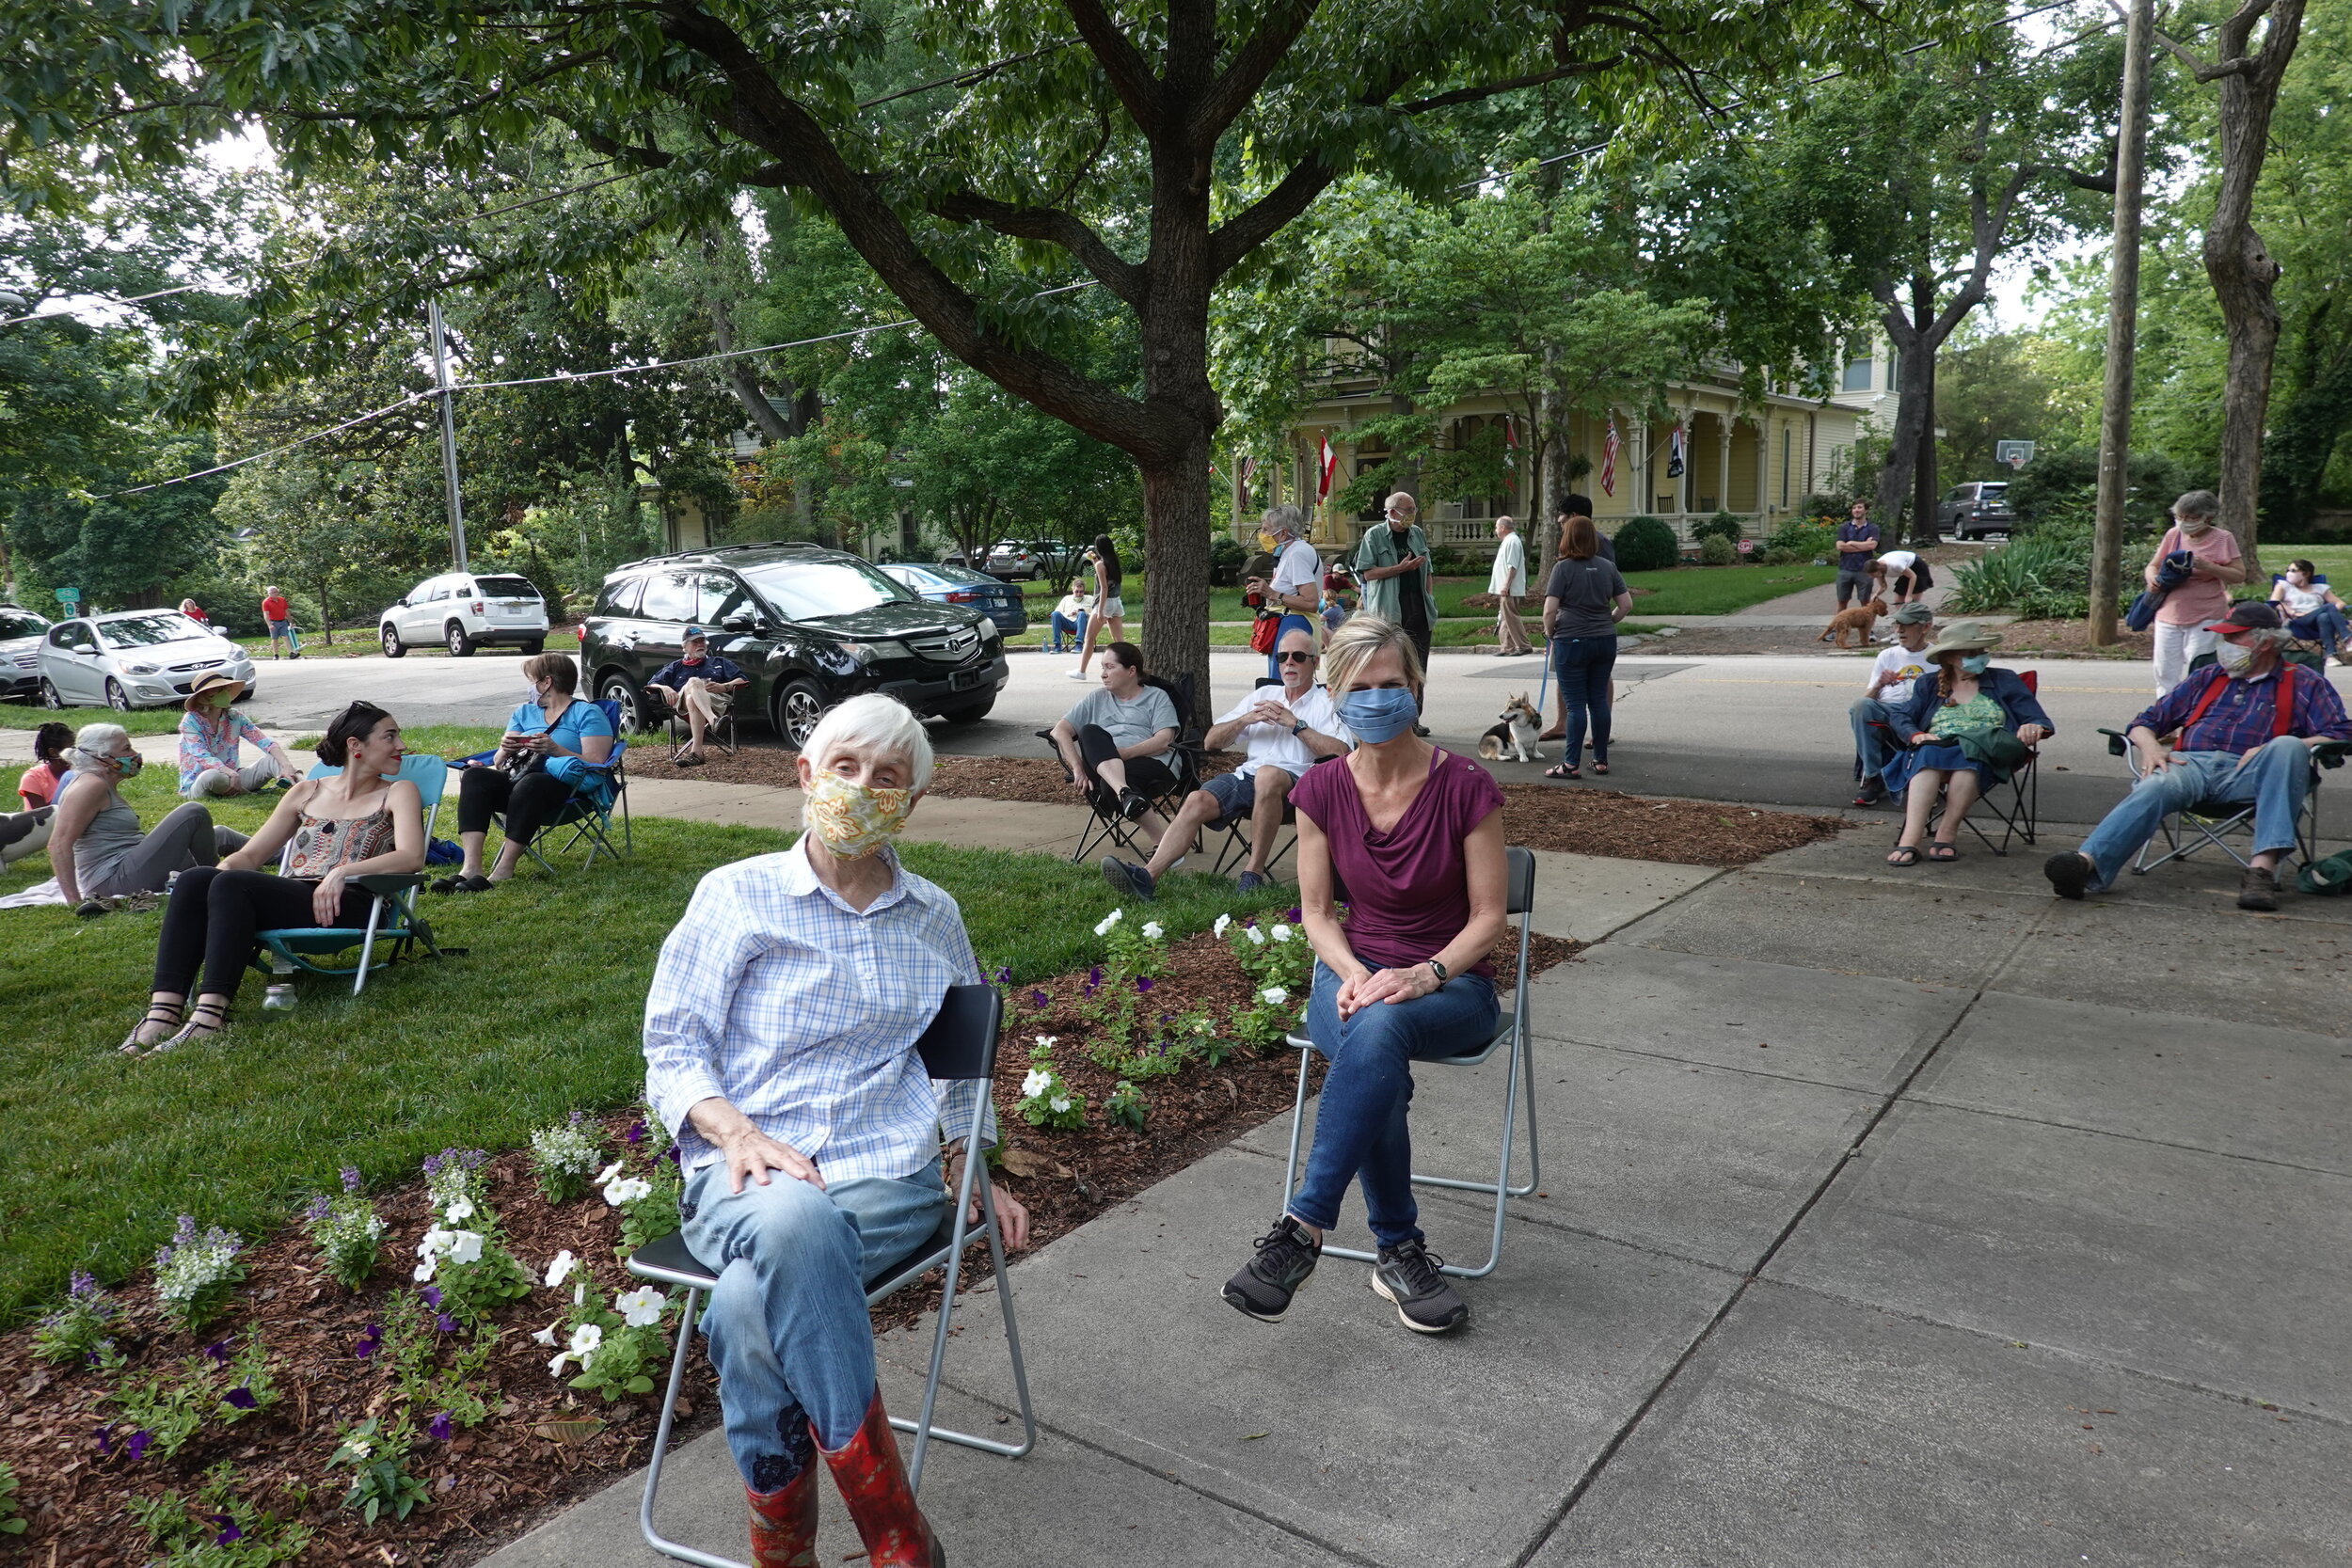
(261, 1433)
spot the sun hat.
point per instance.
(214, 682)
(1963, 637)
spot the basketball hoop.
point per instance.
(2017, 461)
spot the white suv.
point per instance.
(464, 610)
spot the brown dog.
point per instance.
(1859, 620)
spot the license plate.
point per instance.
(964, 680)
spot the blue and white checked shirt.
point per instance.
(774, 995)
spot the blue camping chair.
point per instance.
(585, 815)
(391, 919)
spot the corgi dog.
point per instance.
(1515, 734)
(1859, 620)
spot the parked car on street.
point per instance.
(1029, 558)
(133, 658)
(808, 627)
(464, 610)
(20, 651)
(944, 584)
(1976, 510)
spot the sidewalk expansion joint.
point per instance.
(1703, 1063)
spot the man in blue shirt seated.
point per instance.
(2245, 726)
(700, 685)
(1857, 546)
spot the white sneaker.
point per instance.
(1075, 675)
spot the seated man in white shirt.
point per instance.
(1285, 731)
(780, 1034)
(1887, 693)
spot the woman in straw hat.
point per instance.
(209, 733)
(1969, 727)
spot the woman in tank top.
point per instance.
(360, 822)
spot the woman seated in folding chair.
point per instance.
(355, 823)
(1116, 736)
(780, 1036)
(698, 685)
(2313, 611)
(1969, 728)
(552, 746)
(1415, 835)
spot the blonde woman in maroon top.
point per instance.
(1414, 834)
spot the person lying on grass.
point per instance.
(780, 1039)
(362, 821)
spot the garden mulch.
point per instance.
(493, 1483)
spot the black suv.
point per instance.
(809, 627)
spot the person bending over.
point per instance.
(362, 821)
(1119, 734)
(96, 847)
(210, 731)
(700, 684)
(1415, 835)
(1902, 578)
(554, 745)
(2241, 730)
(1884, 696)
(779, 1041)
(1285, 731)
(1970, 726)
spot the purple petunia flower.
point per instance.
(228, 1530)
(1004, 976)
(1291, 914)
(431, 1294)
(217, 1354)
(1143, 984)
(636, 1133)
(351, 1178)
(1094, 976)
(445, 1324)
(671, 1154)
(136, 1449)
(438, 1428)
(106, 1440)
(239, 1398)
(1038, 998)
(370, 1337)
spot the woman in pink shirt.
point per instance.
(2214, 564)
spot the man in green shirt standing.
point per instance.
(1393, 562)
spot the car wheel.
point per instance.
(536, 645)
(51, 698)
(618, 691)
(799, 706)
(393, 646)
(117, 697)
(460, 646)
(970, 713)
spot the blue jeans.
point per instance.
(1291, 621)
(2325, 625)
(1868, 745)
(786, 1321)
(1583, 665)
(1359, 1119)
(1077, 630)
(2274, 778)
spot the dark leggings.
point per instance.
(213, 914)
(1584, 664)
(1147, 776)
(529, 802)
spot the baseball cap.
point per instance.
(692, 633)
(1914, 615)
(2247, 615)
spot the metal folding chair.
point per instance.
(2215, 823)
(960, 1045)
(392, 919)
(1518, 1082)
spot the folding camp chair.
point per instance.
(2015, 805)
(2216, 822)
(2308, 647)
(587, 817)
(1236, 845)
(677, 730)
(392, 918)
(1518, 1082)
(961, 1045)
(1105, 824)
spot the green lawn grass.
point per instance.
(1720, 590)
(31, 715)
(538, 1016)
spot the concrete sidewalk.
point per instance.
(1887, 1219)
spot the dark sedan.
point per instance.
(1000, 602)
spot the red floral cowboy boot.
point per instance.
(783, 1523)
(874, 1484)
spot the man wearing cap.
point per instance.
(699, 684)
(2243, 729)
(209, 733)
(1886, 694)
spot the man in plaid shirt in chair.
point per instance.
(2246, 728)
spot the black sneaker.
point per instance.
(1873, 790)
(1286, 1256)
(2258, 890)
(1426, 1302)
(1131, 806)
(2071, 873)
(1127, 877)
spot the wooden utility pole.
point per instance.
(2115, 412)
(448, 437)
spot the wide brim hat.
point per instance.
(214, 682)
(1963, 637)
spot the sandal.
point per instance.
(1905, 855)
(205, 1019)
(1601, 768)
(1942, 849)
(1563, 771)
(165, 1013)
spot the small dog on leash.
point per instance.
(1515, 734)
(1859, 621)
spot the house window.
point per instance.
(1857, 378)
(1784, 434)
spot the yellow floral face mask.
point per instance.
(854, 821)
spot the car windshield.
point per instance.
(811, 590)
(506, 588)
(144, 631)
(21, 623)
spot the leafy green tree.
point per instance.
(1991, 386)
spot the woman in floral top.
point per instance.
(1946, 722)
(209, 733)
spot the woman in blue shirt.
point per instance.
(553, 747)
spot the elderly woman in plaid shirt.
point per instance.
(780, 1042)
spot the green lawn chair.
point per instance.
(392, 918)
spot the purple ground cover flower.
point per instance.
(431, 1294)
(239, 1398)
(106, 1440)
(445, 1324)
(438, 1428)
(370, 1337)
(217, 1353)
(636, 1133)
(136, 1449)
(1038, 998)
(228, 1528)
(351, 1178)
(1143, 984)
(316, 1209)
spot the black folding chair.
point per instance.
(961, 1046)
(677, 729)
(2015, 805)
(1518, 1082)
(1235, 847)
(1105, 824)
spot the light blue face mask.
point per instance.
(1976, 664)
(1381, 713)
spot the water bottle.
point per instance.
(280, 998)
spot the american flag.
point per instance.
(1609, 460)
(1248, 470)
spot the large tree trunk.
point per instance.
(1915, 410)
(1551, 468)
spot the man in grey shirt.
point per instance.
(1117, 735)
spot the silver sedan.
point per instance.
(133, 659)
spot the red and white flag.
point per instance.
(1330, 460)
(1511, 446)
(1248, 470)
(1609, 460)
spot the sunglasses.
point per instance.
(1293, 659)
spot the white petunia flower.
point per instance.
(555, 1368)
(422, 1273)
(625, 1189)
(563, 1264)
(1256, 936)
(1281, 933)
(464, 1246)
(641, 1306)
(1059, 1103)
(1153, 930)
(435, 1242)
(459, 1211)
(607, 1173)
(1036, 1083)
(585, 1338)
(546, 1336)
(1047, 1040)
(579, 1293)
(1222, 921)
(1275, 995)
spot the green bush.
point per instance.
(1804, 538)
(2042, 576)
(1647, 545)
(1722, 525)
(1716, 550)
